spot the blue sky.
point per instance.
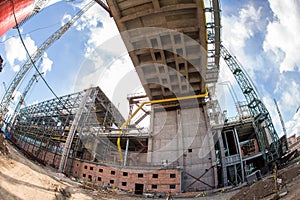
(262, 34)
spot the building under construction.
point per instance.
(175, 47)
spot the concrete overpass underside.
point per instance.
(167, 43)
(170, 57)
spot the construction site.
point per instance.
(190, 147)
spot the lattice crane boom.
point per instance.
(33, 79)
(34, 57)
(263, 124)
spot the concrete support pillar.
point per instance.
(212, 145)
(183, 137)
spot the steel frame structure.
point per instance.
(262, 119)
(47, 125)
(91, 136)
(213, 28)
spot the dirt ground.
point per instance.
(21, 178)
(289, 187)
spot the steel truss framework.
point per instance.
(47, 125)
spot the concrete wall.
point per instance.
(183, 137)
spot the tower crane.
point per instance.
(33, 79)
(34, 57)
(280, 116)
(263, 126)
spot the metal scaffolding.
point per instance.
(47, 126)
(83, 125)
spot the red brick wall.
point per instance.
(125, 178)
(154, 180)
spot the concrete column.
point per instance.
(212, 144)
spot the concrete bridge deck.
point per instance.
(171, 57)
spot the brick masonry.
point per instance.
(152, 180)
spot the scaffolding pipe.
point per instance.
(126, 152)
(153, 102)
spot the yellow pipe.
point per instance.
(153, 102)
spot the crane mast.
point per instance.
(264, 129)
(34, 57)
(280, 116)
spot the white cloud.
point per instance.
(293, 126)
(291, 95)
(99, 25)
(289, 101)
(270, 105)
(118, 82)
(46, 64)
(16, 68)
(237, 29)
(15, 50)
(107, 62)
(65, 19)
(289, 91)
(282, 34)
(112, 79)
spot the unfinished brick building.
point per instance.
(175, 48)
